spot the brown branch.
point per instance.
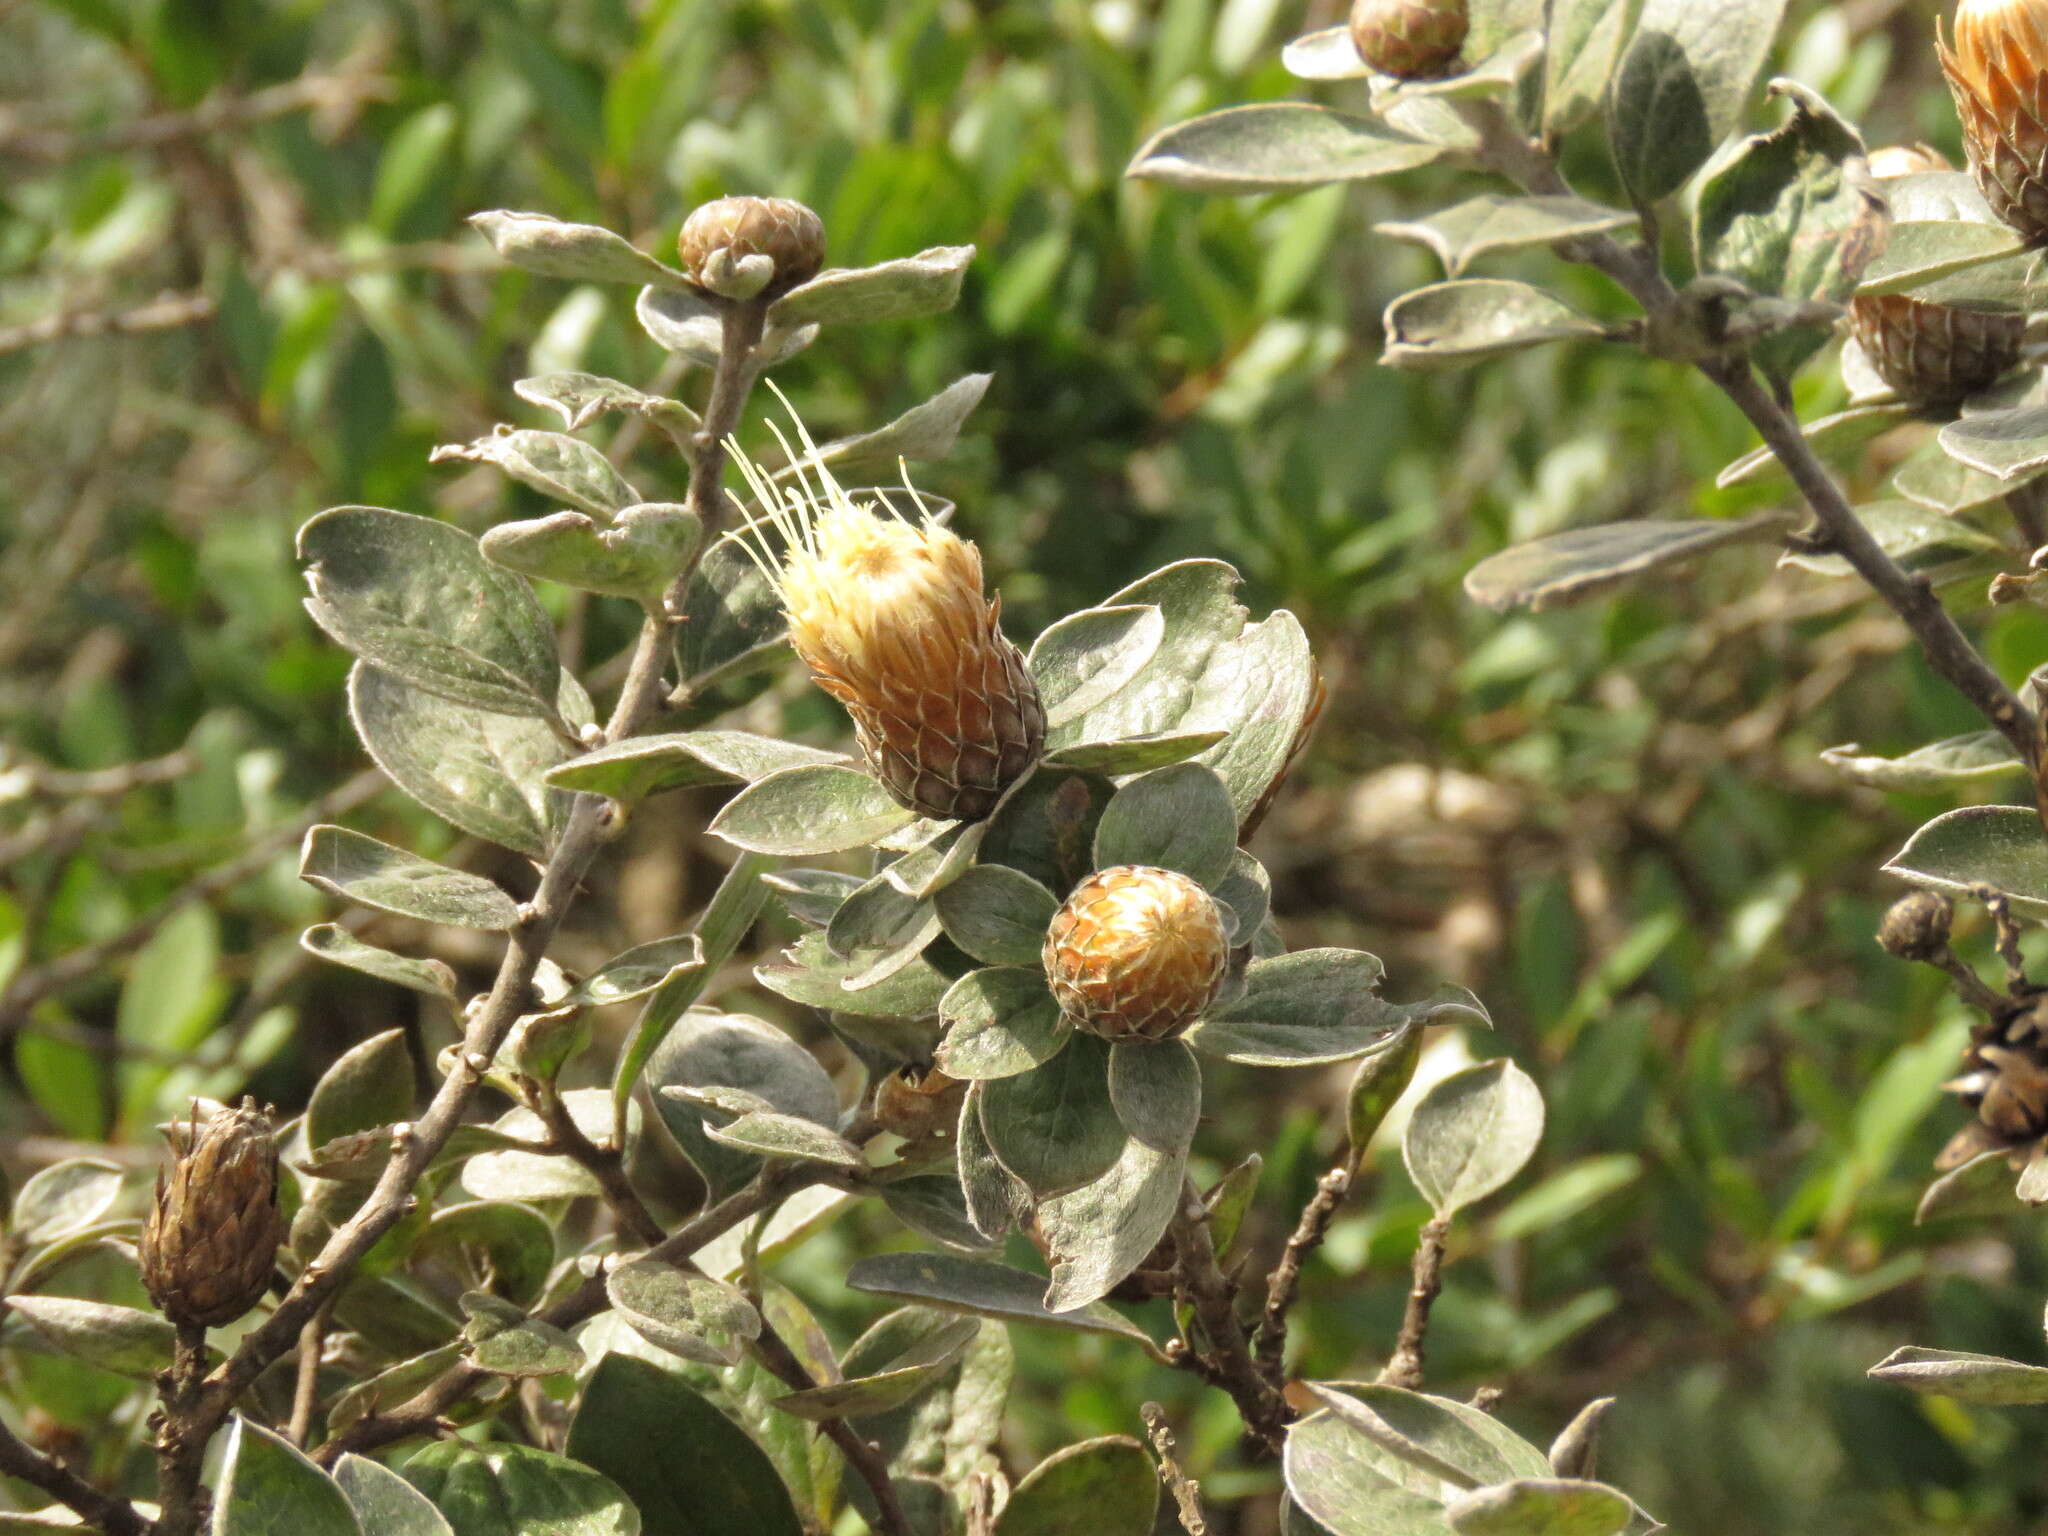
(27, 777)
(861, 1454)
(326, 94)
(165, 312)
(306, 1389)
(103, 1511)
(605, 1164)
(1283, 1286)
(1404, 1365)
(1186, 1492)
(1225, 1359)
(182, 1436)
(739, 364)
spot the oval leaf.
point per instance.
(1275, 146)
(1106, 1487)
(815, 808)
(373, 874)
(1471, 1133)
(1448, 325)
(2000, 846)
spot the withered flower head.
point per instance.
(1998, 73)
(1916, 926)
(1136, 953)
(1932, 353)
(1409, 39)
(731, 229)
(890, 616)
(211, 1241)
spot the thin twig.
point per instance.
(1404, 1365)
(739, 364)
(327, 94)
(2007, 937)
(1225, 1357)
(861, 1454)
(182, 1436)
(1284, 1285)
(1187, 1493)
(605, 1164)
(306, 1389)
(167, 311)
(103, 1511)
(28, 777)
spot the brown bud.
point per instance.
(919, 1102)
(1917, 926)
(891, 618)
(210, 1244)
(1906, 160)
(1136, 954)
(1998, 74)
(784, 231)
(1936, 354)
(1409, 39)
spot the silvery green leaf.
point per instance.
(474, 769)
(1919, 251)
(1936, 197)
(1275, 146)
(2006, 445)
(1106, 1487)
(925, 871)
(1429, 1445)
(1336, 1491)
(513, 1488)
(1575, 1451)
(1783, 215)
(707, 1049)
(581, 253)
(266, 1482)
(926, 431)
(765, 1133)
(1135, 754)
(1098, 1234)
(980, 1288)
(811, 896)
(683, 321)
(935, 1205)
(390, 1386)
(373, 874)
(1495, 221)
(813, 808)
(998, 915)
(1053, 1125)
(1565, 567)
(1245, 894)
(332, 942)
(999, 1022)
(1497, 74)
(813, 975)
(1964, 1377)
(369, 1086)
(416, 598)
(386, 1503)
(640, 766)
(1314, 1006)
(1919, 539)
(1583, 40)
(1978, 755)
(123, 1340)
(580, 398)
(1179, 818)
(62, 1199)
(1834, 437)
(637, 555)
(925, 284)
(529, 1176)
(1541, 1506)
(992, 1194)
(1157, 1091)
(892, 1382)
(688, 1315)
(558, 466)
(504, 1341)
(880, 916)
(1681, 87)
(1450, 325)
(1471, 1133)
(1383, 1075)
(512, 1244)
(1325, 54)
(1933, 479)
(2000, 846)
(638, 971)
(1086, 658)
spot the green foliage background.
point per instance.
(1610, 821)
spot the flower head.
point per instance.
(211, 1241)
(720, 234)
(1136, 954)
(1998, 74)
(890, 616)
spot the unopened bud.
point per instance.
(1997, 72)
(719, 235)
(1136, 954)
(891, 618)
(210, 1244)
(1932, 353)
(1917, 926)
(1409, 39)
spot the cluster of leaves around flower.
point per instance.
(1785, 228)
(1171, 720)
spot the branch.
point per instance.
(328, 94)
(165, 312)
(181, 1438)
(1187, 1493)
(1227, 1361)
(103, 1511)
(861, 1454)
(605, 1164)
(739, 364)
(1285, 1283)
(1404, 1366)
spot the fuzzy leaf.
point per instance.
(62, 1199)
(999, 1022)
(501, 1489)
(926, 431)
(1179, 818)
(333, 943)
(1086, 658)
(637, 555)
(1157, 1091)
(1098, 1234)
(123, 1340)
(1471, 1133)
(925, 284)
(385, 1503)
(369, 1086)
(504, 1341)
(1584, 39)
(812, 808)
(270, 1488)
(706, 1049)
(2004, 444)
(1448, 325)
(1106, 1487)
(640, 766)
(1494, 221)
(580, 398)
(1921, 250)
(1053, 1126)
(1541, 1506)
(811, 974)
(683, 321)
(997, 914)
(1681, 87)
(1565, 567)
(581, 253)
(560, 467)
(688, 1315)
(1966, 1378)
(1135, 754)
(1317, 1005)
(978, 1287)
(373, 874)
(892, 1382)
(638, 971)
(1939, 764)
(1275, 146)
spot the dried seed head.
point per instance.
(1917, 926)
(1907, 160)
(734, 228)
(890, 617)
(1935, 354)
(919, 1102)
(1998, 74)
(1136, 953)
(1409, 39)
(211, 1241)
